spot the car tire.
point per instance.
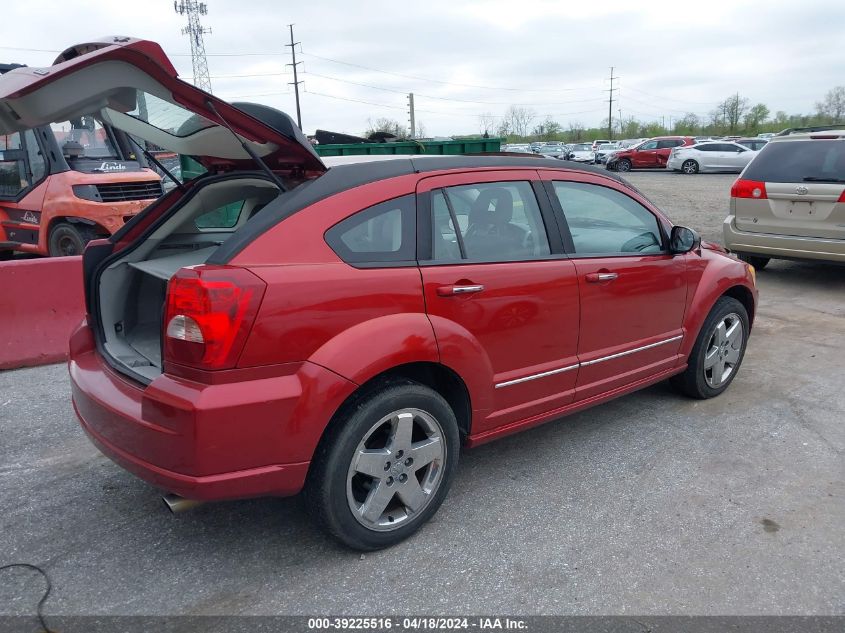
(718, 351)
(623, 165)
(759, 262)
(689, 167)
(370, 506)
(66, 240)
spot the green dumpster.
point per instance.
(459, 146)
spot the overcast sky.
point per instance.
(463, 58)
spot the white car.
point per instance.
(712, 156)
(605, 150)
(582, 153)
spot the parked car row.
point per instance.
(686, 154)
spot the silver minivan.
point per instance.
(789, 203)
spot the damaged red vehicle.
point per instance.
(350, 328)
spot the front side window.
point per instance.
(649, 145)
(84, 138)
(382, 233)
(489, 222)
(603, 221)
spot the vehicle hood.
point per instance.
(713, 246)
(131, 85)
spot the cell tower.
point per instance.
(195, 31)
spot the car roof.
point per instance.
(365, 170)
(806, 136)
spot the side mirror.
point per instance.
(683, 240)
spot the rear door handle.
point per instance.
(595, 278)
(449, 291)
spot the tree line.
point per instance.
(735, 115)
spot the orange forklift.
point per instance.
(67, 183)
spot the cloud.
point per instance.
(465, 58)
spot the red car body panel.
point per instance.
(651, 158)
(325, 327)
(239, 439)
(539, 337)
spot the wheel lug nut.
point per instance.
(402, 478)
(409, 461)
(387, 466)
(399, 454)
(390, 481)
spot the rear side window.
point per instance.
(799, 161)
(383, 233)
(488, 222)
(603, 221)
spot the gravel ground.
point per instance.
(700, 202)
(651, 504)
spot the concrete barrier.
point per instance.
(41, 301)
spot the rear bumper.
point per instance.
(207, 442)
(675, 163)
(784, 246)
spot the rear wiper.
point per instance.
(815, 179)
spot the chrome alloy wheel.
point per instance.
(396, 469)
(723, 350)
(690, 167)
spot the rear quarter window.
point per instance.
(795, 161)
(382, 234)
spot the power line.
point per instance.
(707, 103)
(454, 99)
(438, 81)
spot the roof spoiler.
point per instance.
(4, 68)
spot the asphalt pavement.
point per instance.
(650, 504)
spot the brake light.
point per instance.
(210, 311)
(749, 189)
(842, 196)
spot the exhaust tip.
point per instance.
(177, 504)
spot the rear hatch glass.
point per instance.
(799, 161)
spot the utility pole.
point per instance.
(610, 106)
(295, 81)
(195, 31)
(411, 112)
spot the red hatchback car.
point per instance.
(348, 329)
(650, 154)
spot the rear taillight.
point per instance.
(842, 196)
(210, 311)
(749, 189)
